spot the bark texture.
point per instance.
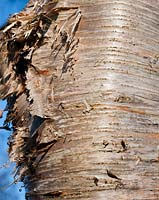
(81, 81)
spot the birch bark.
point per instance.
(89, 100)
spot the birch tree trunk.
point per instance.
(81, 81)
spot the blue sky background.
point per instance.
(7, 192)
(8, 7)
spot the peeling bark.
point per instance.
(81, 79)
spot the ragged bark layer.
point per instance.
(27, 84)
(82, 92)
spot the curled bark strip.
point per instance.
(28, 85)
(64, 38)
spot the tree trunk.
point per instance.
(81, 81)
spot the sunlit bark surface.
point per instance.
(87, 111)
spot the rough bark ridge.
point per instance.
(81, 80)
